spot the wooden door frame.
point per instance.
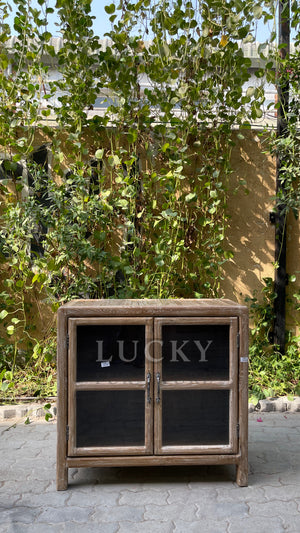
(231, 384)
(74, 386)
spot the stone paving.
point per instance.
(152, 500)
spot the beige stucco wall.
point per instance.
(250, 235)
(293, 267)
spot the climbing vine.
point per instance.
(129, 201)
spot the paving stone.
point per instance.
(15, 487)
(47, 473)
(52, 499)
(273, 436)
(7, 459)
(273, 508)
(164, 500)
(241, 494)
(143, 497)
(196, 527)
(260, 479)
(291, 522)
(20, 527)
(84, 498)
(54, 515)
(18, 513)
(13, 444)
(119, 513)
(150, 526)
(254, 524)
(193, 495)
(107, 478)
(171, 512)
(288, 478)
(221, 510)
(90, 527)
(9, 500)
(288, 493)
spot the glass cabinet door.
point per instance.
(110, 386)
(195, 385)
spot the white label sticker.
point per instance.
(244, 359)
(105, 363)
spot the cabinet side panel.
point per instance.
(62, 387)
(242, 469)
(234, 362)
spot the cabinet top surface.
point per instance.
(153, 307)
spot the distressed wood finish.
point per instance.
(62, 406)
(242, 468)
(171, 307)
(75, 386)
(153, 460)
(230, 385)
(153, 314)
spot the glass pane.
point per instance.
(195, 352)
(110, 418)
(195, 417)
(111, 353)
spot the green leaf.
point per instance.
(113, 160)
(35, 278)
(128, 270)
(191, 197)
(10, 330)
(46, 36)
(3, 314)
(169, 213)
(257, 11)
(122, 203)
(110, 9)
(249, 39)
(259, 113)
(99, 153)
(132, 136)
(159, 261)
(228, 254)
(250, 91)
(4, 386)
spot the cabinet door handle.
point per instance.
(158, 387)
(148, 387)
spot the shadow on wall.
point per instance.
(293, 267)
(250, 235)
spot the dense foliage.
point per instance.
(135, 204)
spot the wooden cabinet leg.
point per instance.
(62, 477)
(242, 473)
